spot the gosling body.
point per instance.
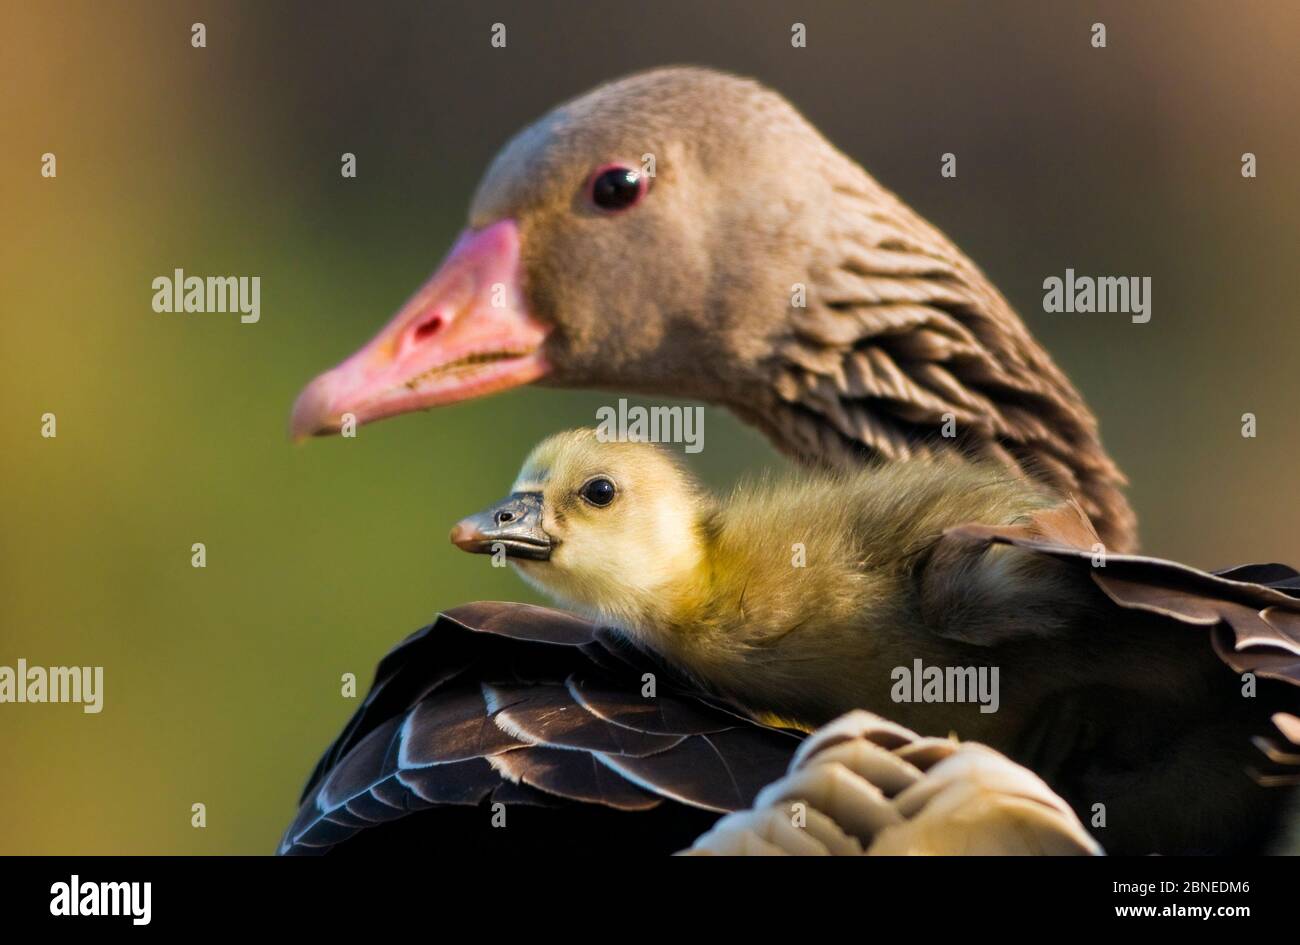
(802, 599)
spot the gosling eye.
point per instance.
(598, 492)
(616, 187)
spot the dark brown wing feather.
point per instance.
(1252, 612)
(541, 711)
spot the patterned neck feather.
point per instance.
(903, 334)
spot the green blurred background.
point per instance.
(222, 684)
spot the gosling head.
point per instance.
(609, 528)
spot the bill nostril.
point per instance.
(427, 328)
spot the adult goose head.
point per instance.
(686, 232)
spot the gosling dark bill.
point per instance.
(513, 525)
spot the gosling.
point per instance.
(801, 599)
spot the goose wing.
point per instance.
(562, 723)
(1251, 612)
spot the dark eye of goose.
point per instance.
(599, 492)
(617, 187)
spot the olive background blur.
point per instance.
(222, 685)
